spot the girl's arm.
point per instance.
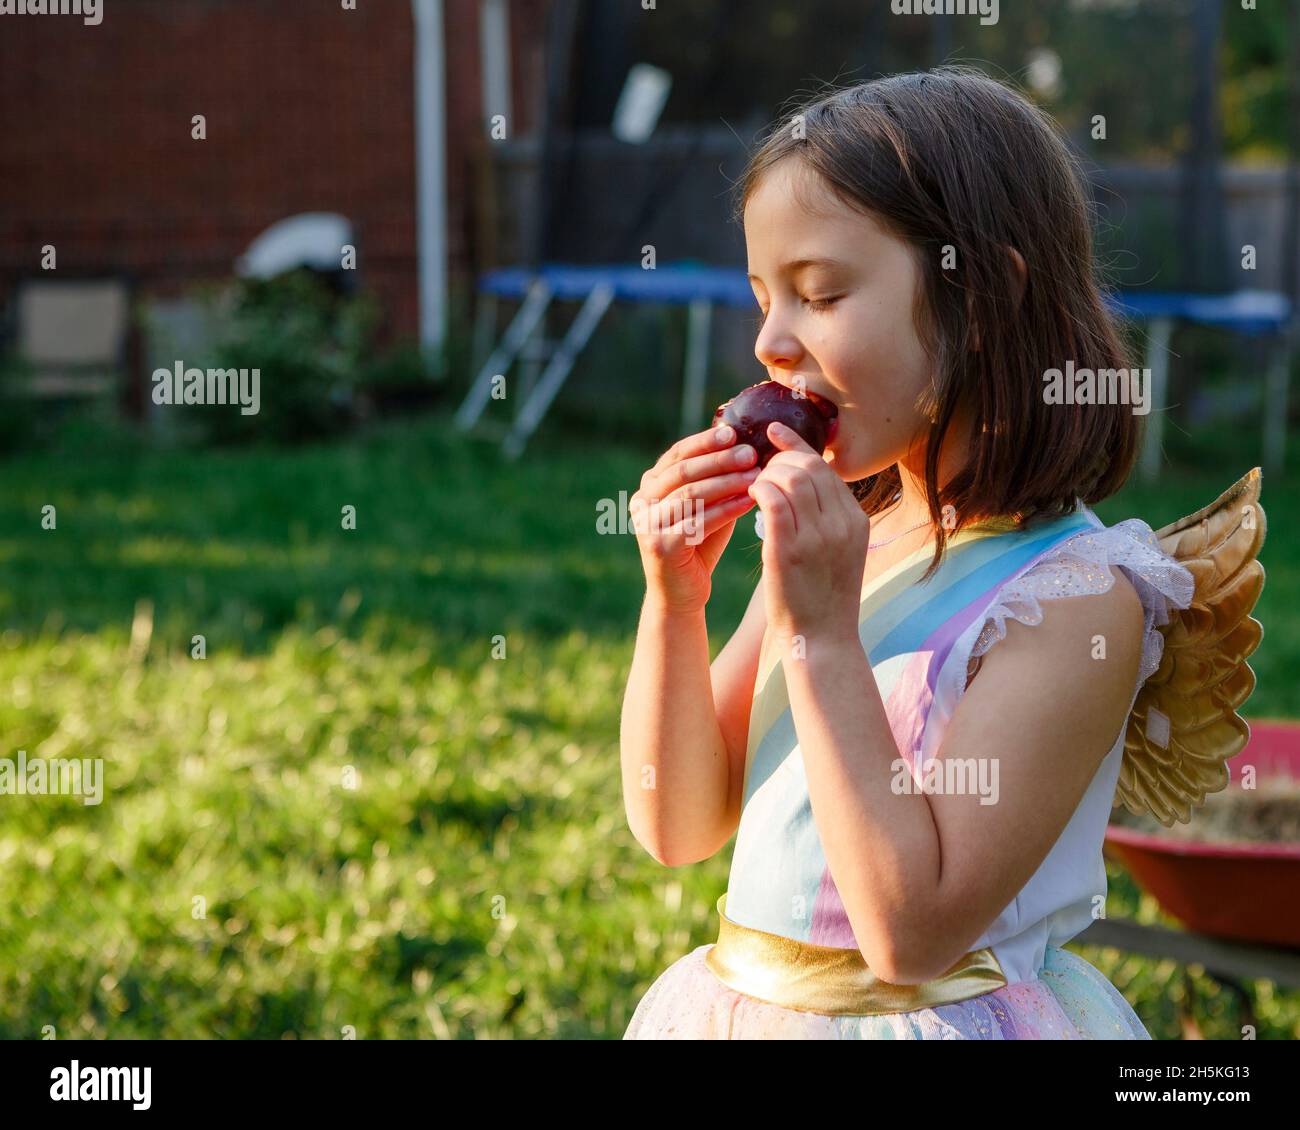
(684, 731)
(922, 876)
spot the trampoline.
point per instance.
(1251, 313)
(683, 284)
(700, 288)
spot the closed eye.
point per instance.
(814, 304)
(821, 303)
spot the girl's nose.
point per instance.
(775, 348)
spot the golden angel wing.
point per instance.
(1184, 724)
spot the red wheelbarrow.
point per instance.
(1248, 891)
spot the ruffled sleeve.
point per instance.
(1081, 565)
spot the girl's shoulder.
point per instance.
(1133, 582)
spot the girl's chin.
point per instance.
(850, 466)
(839, 465)
(834, 453)
(849, 469)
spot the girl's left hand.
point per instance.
(815, 537)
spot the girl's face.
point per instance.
(836, 291)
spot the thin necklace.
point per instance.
(878, 544)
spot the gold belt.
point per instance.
(831, 980)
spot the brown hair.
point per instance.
(953, 157)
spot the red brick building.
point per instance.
(309, 106)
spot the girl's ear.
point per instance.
(1022, 274)
(1021, 281)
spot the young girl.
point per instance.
(920, 814)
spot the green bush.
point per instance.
(310, 347)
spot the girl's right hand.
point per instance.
(685, 511)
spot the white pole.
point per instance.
(695, 378)
(1159, 335)
(494, 51)
(431, 175)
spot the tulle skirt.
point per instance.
(1068, 1000)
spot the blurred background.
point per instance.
(354, 663)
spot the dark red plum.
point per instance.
(753, 408)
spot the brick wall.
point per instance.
(309, 108)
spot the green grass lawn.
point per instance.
(389, 826)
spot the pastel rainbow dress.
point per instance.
(920, 640)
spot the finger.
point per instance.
(853, 510)
(787, 439)
(711, 489)
(832, 491)
(664, 514)
(698, 443)
(794, 451)
(798, 484)
(696, 526)
(659, 482)
(778, 515)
